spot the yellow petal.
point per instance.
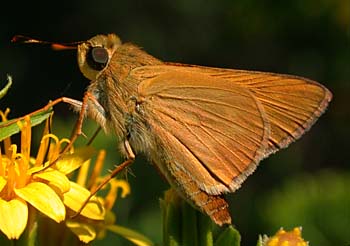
(43, 198)
(75, 198)
(83, 173)
(86, 233)
(113, 191)
(70, 162)
(283, 237)
(56, 179)
(3, 182)
(13, 217)
(96, 171)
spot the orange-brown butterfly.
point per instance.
(206, 129)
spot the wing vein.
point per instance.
(206, 101)
(281, 104)
(232, 152)
(216, 115)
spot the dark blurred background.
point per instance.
(306, 185)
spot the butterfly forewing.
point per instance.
(291, 104)
(213, 129)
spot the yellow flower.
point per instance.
(286, 238)
(20, 186)
(87, 230)
(30, 184)
(28, 181)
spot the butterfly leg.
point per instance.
(74, 103)
(79, 124)
(130, 159)
(77, 105)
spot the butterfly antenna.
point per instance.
(54, 45)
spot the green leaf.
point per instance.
(10, 127)
(172, 227)
(189, 225)
(182, 224)
(131, 235)
(205, 230)
(171, 219)
(230, 236)
(7, 87)
(32, 233)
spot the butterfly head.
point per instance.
(95, 54)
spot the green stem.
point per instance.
(32, 227)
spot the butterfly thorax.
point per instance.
(116, 91)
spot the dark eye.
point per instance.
(97, 58)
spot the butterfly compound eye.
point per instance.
(97, 58)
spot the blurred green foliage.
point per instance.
(303, 37)
(319, 202)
